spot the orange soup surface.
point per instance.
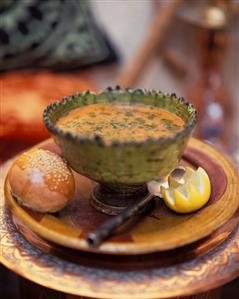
(121, 122)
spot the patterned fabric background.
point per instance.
(58, 34)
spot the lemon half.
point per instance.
(190, 193)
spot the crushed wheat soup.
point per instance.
(121, 122)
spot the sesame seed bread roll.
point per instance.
(41, 181)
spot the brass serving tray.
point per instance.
(157, 231)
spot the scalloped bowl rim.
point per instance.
(96, 139)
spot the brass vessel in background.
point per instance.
(210, 93)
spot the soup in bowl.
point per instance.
(121, 138)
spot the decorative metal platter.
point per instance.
(157, 231)
(195, 268)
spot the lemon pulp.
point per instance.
(188, 194)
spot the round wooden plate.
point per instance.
(157, 231)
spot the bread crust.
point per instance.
(41, 181)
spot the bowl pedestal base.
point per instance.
(112, 199)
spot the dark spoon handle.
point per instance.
(106, 229)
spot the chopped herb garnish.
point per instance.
(92, 114)
(121, 122)
(114, 124)
(129, 113)
(151, 116)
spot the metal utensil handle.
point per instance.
(106, 229)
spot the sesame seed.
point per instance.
(53, 167)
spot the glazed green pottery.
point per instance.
(121, 168)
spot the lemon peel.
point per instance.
(189, 192)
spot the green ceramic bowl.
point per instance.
(121, 163)
(125, 163)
